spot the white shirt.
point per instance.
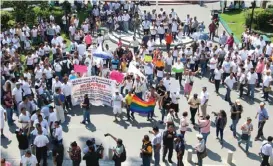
(148, 68)
(81, 49)
(167, 83)
(230, 82)
(267, 80)
(146, 24)
(169, 60)
(203, 97)
(252, 78)
(66, 89)
(24, 118)
(183, 124)
(268, 50)
(157, 139)
(226, 66)
(41, 141)
(44, 123)
(175, 97)
(266, 149)
(169, 118)
(52, 118)
(35, 132)
(218, 74)
(125, 17)
(117, 100)
(45, 111)
(29, 161)
(58, 133)
(213, 63)
(18, 94)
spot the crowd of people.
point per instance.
(37, 67)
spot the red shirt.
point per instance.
(168, 38)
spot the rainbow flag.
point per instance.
(141, 106)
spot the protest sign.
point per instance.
(98, 89)
(148, 58)
(80, 68)
(116, 75)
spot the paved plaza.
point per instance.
(132, 132)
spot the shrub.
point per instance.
(261, 18)
(58, 13)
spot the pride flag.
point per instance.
(141, 106)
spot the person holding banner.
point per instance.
(128, 101)
(117, 104)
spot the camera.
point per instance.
(107, 134)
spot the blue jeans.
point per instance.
(125, 25)
(251, 88)
(233, 126)
(86, 115)
(9, 115)
(203, 68)
(150, 79)
(200, 161)
(246, 141)
(159, 79)
(205, 136)
(186, 29)
(146, 160)
(227, 97)
(156, 156)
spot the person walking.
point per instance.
(128, 101)
(200, 149)
(117, 104)
(146, 151)
(194, 103)
(180, 149)
(262, 115)
(266, 85)
(236, 111)
(86, 109)
(166, 105)
(58, 153)
(266, 151)
(59, 105)
(217, 78)
(246, 128)
(156, 143)
(75, 154)
(41, 143)
(168, 139)
(204, 98)
(252, 78)
(184, 123)
(118, 151)
(229, 82)
(220, 123)
(204, 126)
(23, 142)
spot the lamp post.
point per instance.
(253, 5)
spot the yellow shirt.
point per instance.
(149, 148)
(128, 99)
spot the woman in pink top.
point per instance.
(88, 40)
(259, 70)
(204, 125)
(119, 42)
(184, 123)
(4, 162)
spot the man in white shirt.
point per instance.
(146, 26)
(212, 65)
(66, 89)
(117, 104)
(3, 118)
(58, 132)
(17, 96)
(252, 78)
(168, 62)
(51, 119)
(81, 49)
(217, 78)
(125, 19)
(266, 151)
(223, 39)
(28, 159)
(242, 82)
(266, 85)
(167, 82)
(156, 143)
(204, 98)
(229, 82)
(41, 143)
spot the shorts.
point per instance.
(116, 110)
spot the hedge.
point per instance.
(5, 19)
(261, 18)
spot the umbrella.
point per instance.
(102, 54)
(200, 36)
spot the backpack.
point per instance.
(123, 155)
(64, 67)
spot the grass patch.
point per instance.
(236, 22)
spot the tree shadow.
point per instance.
(214, 156)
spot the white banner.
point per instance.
(99, 90)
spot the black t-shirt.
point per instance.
(166, 101)
(161, 90)
(23, 141)
(168, 141)
(92, 158)
(236, 108)
(86, 101)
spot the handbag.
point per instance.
(203, 154)
(244, 137)
(267, 89)
(191, 82)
